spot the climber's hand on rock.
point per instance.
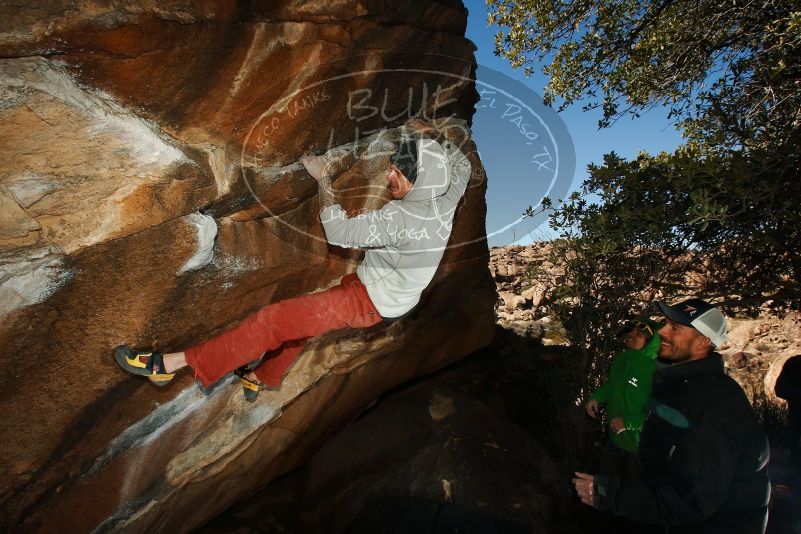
(317, 166)
(592, 408)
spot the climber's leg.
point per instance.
(344, 305)
(275, 364)
(174, 361)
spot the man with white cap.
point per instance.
(703, 452)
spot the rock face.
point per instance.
(756, 350)
(150, 194)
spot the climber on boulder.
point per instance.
(404, 242)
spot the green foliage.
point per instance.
(721, 216)
(729, 68)
(733, 217)
(721, 226)
(603, 285)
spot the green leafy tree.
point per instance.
(729, 66)
(720, 226)
(721, 216)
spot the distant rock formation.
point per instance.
(524, 277)
(150, 194)
(754, 354)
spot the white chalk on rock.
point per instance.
(206, 228)
(30, 279)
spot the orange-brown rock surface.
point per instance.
(150, 194)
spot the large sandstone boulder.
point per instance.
(150, 194)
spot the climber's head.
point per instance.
(403, 168)
(399, 186)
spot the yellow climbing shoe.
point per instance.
(144, 363)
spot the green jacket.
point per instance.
(626, 391)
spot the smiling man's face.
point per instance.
(681, 343)
(398, 185)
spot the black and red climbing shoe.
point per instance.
(144, 363)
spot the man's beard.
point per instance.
(673, 358)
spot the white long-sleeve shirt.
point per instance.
(406, 239)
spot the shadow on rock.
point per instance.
(455, 452)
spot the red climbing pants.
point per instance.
(281, 329)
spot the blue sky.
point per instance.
(652, 132)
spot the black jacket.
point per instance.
(788, 387)
(704, 456)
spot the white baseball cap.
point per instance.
(699, 314)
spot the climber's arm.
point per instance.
(368, 230)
